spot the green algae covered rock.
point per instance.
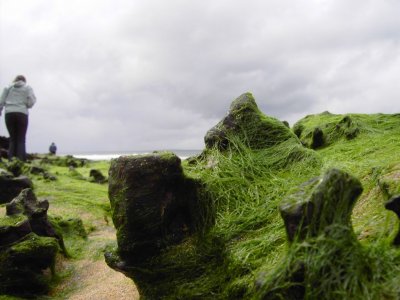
(22, 263)
(28, 245)
(316, 131)
(247, 123)
(320, 203)
(323, 247)
(153, 205)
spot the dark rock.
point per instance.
(41, 171)
(317, 138)
(28, 245)
(247, 123)
(319, 204)
(37, 170)
(10, 187)
(69, 227)
(394, 205)
(22, 263)
(36, 211)
(298, 129)
(97, 176)
(153, 204)
(13, 229)
(15, 166)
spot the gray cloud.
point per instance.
(134, 75)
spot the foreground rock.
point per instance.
(153, 206)
(318, 224)
(11, 186)
(330, 202)
(28, 245)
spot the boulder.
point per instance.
(393, 204)
(317, 218)
(246, 122)
(28, 245)
(22, 265)
(11, 186)
(97, 176)
(153, 204)
(320, 203)
(13, 229)
(36, 211)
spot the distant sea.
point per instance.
(183, 154)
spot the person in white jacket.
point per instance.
(17, 99)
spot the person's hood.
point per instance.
(19, 83)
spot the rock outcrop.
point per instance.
(248, 124)
(11, 186)
(154, 205)
(97, 176)
(318, 224)
(319, 204)
(28, 245)
(393, 204)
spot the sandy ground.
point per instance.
(94, 279)
(97, 281)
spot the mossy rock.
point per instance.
(13, 229)
(320, 130)
(22, 265)
(247, 123)
(153, 204)
(320, 203)
(64, 161)
(389, 182)
(10, 187)
(68, 227)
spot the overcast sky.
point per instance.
(120, 75)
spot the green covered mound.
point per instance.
(243, 250)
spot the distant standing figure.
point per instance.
(17, 99)
(53, 149)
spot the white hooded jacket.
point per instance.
(17, 98)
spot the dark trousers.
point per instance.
(17, 124)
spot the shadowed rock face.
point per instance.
(36, 211)
(249, 124)
(320, 203)
(11, 186)
(153, 206)
(393, 204)
(27, 246)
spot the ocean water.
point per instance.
(183, 154)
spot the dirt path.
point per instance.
(93, 279)
(98, 281)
